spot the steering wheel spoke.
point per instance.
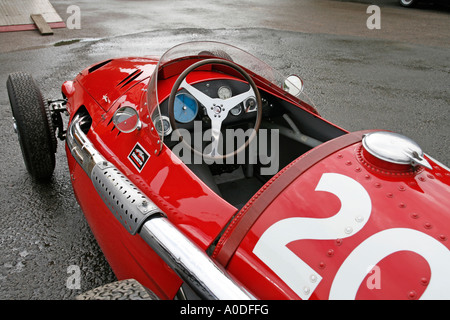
(232, 102)
(200, 96)
(216, 126)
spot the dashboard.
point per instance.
(187, 109)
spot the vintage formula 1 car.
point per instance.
(205, 173)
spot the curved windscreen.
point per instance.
(196, 50)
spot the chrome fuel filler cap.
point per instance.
(394, 148)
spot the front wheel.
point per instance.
(33, 124)
(408, 3)
(128, 289)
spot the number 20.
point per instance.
(356, 207)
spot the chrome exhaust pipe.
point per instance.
(194, 266)
(139, 215)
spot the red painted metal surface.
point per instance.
(386, 206)
(192, 206)
(128, 256)
(405, 209)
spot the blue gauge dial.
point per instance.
(185, 108)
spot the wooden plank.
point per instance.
(17, 12)
(42, 25)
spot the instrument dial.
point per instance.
(162, 125)
(224, 92)
(236, 110)
(185, 108)
(250, 104)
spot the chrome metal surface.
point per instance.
(81, 148)
(294, 85)
(130, 206)
(14, 125)
(126, 119)
(205, 277)
(394, 148)
(162, 125)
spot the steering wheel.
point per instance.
(217, 109)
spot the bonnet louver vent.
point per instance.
(98, 66)
(130, 78)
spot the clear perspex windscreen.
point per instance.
(208, 49)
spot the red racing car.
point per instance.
(205, 173)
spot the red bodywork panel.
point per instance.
(192, 206)
(108, 80)
(335, 218)
(330, 213)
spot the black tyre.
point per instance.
(128, 289)
(33, 124)
(408, 3)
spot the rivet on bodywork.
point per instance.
(313, 278)
(322, 265)
(427, 225)
(306, 290)
(348, 230)
(359, 219)
(442, 237)
(415, 215)
(330, 253)
(412, 294)
(424, 281)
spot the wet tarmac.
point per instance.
(396, 78)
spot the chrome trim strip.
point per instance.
(193, 265)
(81, 148)
(187, 260)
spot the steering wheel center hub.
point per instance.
(217, 109)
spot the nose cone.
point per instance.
(393, 148)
